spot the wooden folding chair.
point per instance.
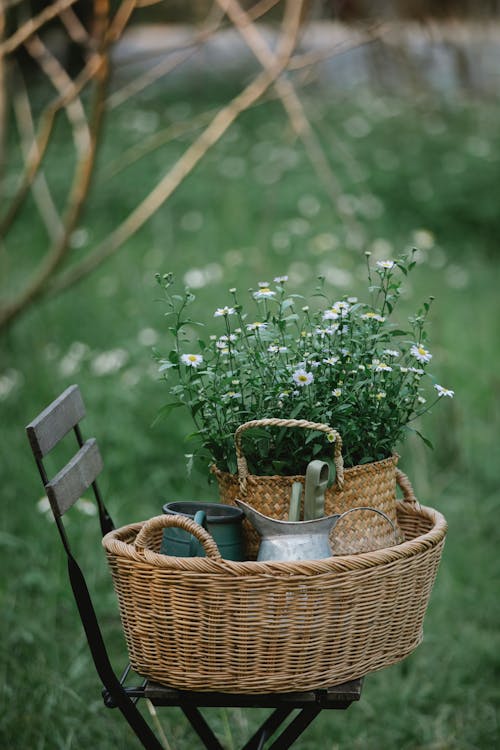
(63, 490)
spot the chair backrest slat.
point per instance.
(55, 421)
(76, 477)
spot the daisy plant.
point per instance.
(343, 362)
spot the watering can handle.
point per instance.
(200, 517)
(374, 510)
(150, 528)
(332, 436)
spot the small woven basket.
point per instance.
(209, 624)
(372, 485)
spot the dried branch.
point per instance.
(36, 285)
(76, 30)
(62, 82)
(40, 189)
(32, 25)
(93, 69)
(194, 153)
(287, 94)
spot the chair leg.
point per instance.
(267, 729)
(201, 728)
(295, 728)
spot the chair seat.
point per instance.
(336, 697)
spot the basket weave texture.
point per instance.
(371, 485)
(251, 627)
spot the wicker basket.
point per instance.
(251, 627)
(372, 484)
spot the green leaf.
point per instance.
(424, 440)
(165, 411)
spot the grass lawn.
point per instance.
(422, 171)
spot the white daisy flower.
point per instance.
(330, 360)
(224, 312)
(391, 352)
(444, 391)
(420, 353)
(280, 279)
(416, 370)
(191, 360)
(352, 300)
(386, 264)
(263, 284)
(302, 378)
(403, 369)
(337, 392)
(264, 293)
(421, 400)
(380, 395)
(330, 314)
(256, 326)
(373, 316)
(273, 349)
(383, 367)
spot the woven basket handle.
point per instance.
(333, 435)
(144, 537)
(405, 484)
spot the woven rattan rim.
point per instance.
(114, 544)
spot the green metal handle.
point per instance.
(200, 517)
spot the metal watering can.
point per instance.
(300, 540)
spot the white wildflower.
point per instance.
(191, 360)
(420, 353)
(330, 360)
(256, 326)
(224, 312)
(302, 378)
(391, 352)
(337, 392)
(264, 293)
(386, 264)
(383, 367)
(373, 316)
(444, 391)
(380, 395)
(280, 279)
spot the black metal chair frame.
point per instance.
(61, 417)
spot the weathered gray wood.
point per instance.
(76, 477)
(46, 430)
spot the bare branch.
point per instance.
(187, 162)
(181, 55)
(40, 189)
(81, 181)
(286, 92)
(76, 30)
(165, 66)
(32, 25)
(92, 69)
(62, 82)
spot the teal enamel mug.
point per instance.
(223, 523)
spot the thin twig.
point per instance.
(193, 154)
(287, 94)
(81, 181)
(40, 189)
(42, 139)
(61, 81)
(32, 25)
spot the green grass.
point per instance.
(253, 209)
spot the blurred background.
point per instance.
(231, 142)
